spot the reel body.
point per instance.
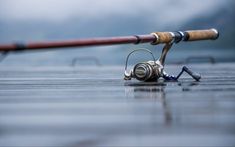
(147, 71)
(144, 71)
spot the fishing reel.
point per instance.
(153, 70)
(144, 71)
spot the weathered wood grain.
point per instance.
(63, 106)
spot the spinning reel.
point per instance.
(153, 70)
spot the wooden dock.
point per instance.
(94, 106)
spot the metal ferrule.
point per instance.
(181, 33)
(178, 37)
(173, 37)
(186, 36)
(157, 39)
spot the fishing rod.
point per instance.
(153, 38)
(144, 71)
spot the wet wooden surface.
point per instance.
(63, 106)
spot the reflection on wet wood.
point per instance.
(94, 107)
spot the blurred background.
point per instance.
(42, 20)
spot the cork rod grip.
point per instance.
(197, 35)
(163, 37)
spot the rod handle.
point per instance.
(196, 35)
(192, 35)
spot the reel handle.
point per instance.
(194, 75)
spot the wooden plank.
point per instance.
(93, 106)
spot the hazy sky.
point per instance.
(16, 17)
(61, 10)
